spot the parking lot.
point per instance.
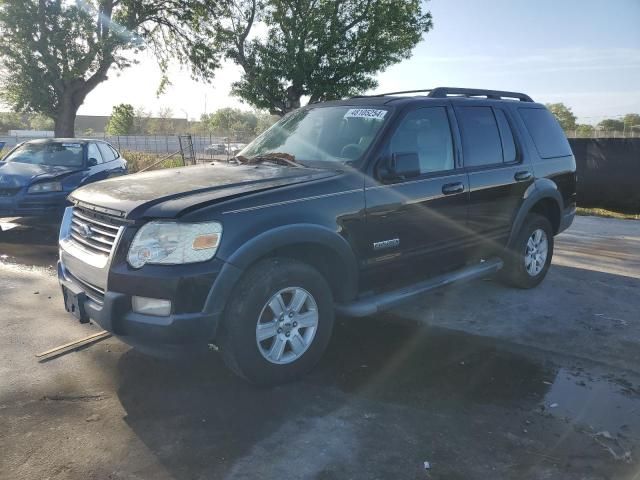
(481, 381)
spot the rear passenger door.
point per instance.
(112, 164)
(498, 177)
(95, 163)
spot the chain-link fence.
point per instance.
(204, 146)
(594, 133)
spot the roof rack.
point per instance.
(444, 92)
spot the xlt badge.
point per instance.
(393, 243)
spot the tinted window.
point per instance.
(547, 135)
(93, 152)
(508, 144)
(426, 132)
(480, 137)
(107, 153)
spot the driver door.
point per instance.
(418, 224)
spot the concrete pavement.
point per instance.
(481, 380)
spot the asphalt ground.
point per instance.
(481, 381)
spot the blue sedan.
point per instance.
(36, 176)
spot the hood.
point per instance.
(164, 193)
(16, 174)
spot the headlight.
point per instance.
(45, 187)
(172, 243)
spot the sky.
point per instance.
(585, 53)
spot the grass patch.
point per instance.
(601, 212)
(140, 160)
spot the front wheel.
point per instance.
(529, 257)
(278, 322)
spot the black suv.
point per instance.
(349, 206)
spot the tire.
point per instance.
(278, 282)
(525, 265)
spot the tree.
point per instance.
(584, 130)
(566, 118)
(631, 121)
(40, 122)
(611, 125)
(323, 49)
(162, 124)
(265, 120)
(232, 121)
(121, 121)
(11, 121)
(141, 121)
(54, 53)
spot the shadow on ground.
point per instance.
(388, 395)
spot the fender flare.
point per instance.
(542, 188)
(279, 237)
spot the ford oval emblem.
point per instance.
(86, 230)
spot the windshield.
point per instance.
(337, 134)
(51, 153)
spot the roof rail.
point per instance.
(391, 93)
(443, 92)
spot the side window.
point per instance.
(93, 152)
(547, 135)
(107, 153)
(115, 152)
(506, 134)
(426, 131)
(481, 142)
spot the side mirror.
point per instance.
(92, 162)
(402, 165)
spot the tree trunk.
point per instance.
(65, 123)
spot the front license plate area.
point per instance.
(74, 303)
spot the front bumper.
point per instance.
(100, 287)
(177, 333)
(49, 205)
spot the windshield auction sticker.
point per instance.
(365, 113)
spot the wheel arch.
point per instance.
(544, 199)
(322, 248)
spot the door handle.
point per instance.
(452, 188)
(523, 176)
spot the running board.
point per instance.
(383, 301)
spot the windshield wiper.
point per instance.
(285, 159)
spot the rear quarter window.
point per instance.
(547, 135)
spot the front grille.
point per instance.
(96, 235)
(9, 192)
(94, 293)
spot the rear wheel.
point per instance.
(529, 257)
(278, 322)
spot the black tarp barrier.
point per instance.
(608, 172)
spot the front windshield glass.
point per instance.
(50, 153)
(337, 134)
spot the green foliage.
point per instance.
(137, 161)
(40, 122)
(564, 115)
(611, 125)
(164, 123)
(54, 53)
(584, 130)
(236, 122)
(323, 49)
(122, 120)
(631, 121)
(12, 121)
